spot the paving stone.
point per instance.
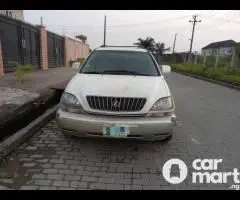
(29, 187)
(114, 187)
(39, 176)
(50, 171)
(77, 184)
(47, 188)
(98, 186)
(106, 180)
(57, 177)
(89, 179)
(66, 171)
(72, 178)
(43, 182)
(61, 183)
(29, 164)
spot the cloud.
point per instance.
(124, 27)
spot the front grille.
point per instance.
(127, 104)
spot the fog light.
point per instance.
(159, 114)
(174, 119)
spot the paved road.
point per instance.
(208, 127)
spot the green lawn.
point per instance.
(226, 74)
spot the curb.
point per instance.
(236, 87)
(11, 143)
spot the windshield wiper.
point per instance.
(125, 72)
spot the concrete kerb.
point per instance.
(11, 143)
(210, 80)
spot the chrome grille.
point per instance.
(116, 104)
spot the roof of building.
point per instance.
(122, 48)
(225, 43)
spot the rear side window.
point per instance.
(101, 61)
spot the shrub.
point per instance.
(81, 60)
(20, 71)
(226, 74)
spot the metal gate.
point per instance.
(55, 50)
(20, 43)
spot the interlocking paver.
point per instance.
(77, 163)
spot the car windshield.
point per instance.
(120, 62)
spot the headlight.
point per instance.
(163, 104)
(69, 103)
(163, 107)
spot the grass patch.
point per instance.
(225, 74)
(20, 71)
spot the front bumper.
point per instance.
(155, 128)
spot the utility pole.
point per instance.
(41, 21)
(104, 39)
(193, 29)
(174, 43)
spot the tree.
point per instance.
(82, 37)
(147, 43)
(160, 48)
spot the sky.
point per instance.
(124, 27)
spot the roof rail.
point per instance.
(119, 46)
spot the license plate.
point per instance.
(115, 131)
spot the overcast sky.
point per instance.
(124, 27)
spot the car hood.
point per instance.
(150, 87)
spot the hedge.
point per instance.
(225, 74)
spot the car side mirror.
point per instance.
(166, 69)
(76, 66)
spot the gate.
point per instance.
(55, 50)
(20, 43)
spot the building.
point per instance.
(221, 48)
(36, 46)
(17, 14)
(75, 49)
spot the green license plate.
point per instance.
(115, 131)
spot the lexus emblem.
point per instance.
(116, 103)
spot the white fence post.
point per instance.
(216, 62)
(196, 59)
(233, 57)
(204, 60)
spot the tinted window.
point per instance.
(120, 62)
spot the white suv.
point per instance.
(118, 92)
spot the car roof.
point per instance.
(121, 48)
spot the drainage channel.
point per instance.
(31, 112)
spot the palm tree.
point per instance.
(160, 48)
(147, 43)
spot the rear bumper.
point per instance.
(139, 127)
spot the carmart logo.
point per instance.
(175, 171)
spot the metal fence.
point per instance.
(20, 43)
(55, 50)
